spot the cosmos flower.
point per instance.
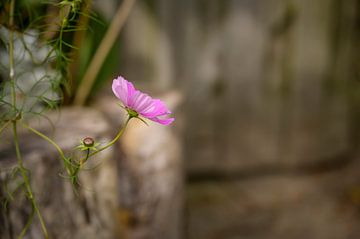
(138, 104)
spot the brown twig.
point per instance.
(103, 50)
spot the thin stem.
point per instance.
(31, 217)
(27, 181)
(61, 35)
(88, 154)
(42, 222)
(23, 172)
(57, 147)
(11, 55)
(114, 140)
(86, 158)
(76, 171)
(4, 126)
(31, 55)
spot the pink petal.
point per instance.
(158, 108)
(144, 103)
(153, 109)
(140, 101)
(131, 92)
(123, 89)
(133, 99)
(116, 88)
(163, 121)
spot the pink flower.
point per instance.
(140, 104)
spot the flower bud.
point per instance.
(88, 142)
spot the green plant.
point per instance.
(34, 38)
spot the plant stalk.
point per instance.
(22, 169)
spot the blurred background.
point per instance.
(266, 96)
(271, 109)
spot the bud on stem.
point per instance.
(88, 142)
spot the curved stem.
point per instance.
(74, 174)
(114, 140)
(88, 154)
(57, 147)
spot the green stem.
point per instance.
(4, 126)
(27, 182)
(88, 154)
(76, 171)
(114, 140)
(23, 171)
(11, 55)
(61, 35)
(57, 147)
(86, 158)
(24, 230)
(41, 219)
